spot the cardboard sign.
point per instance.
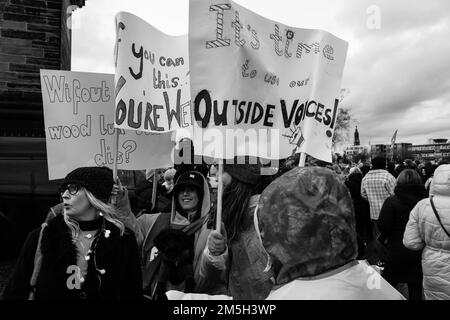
(79, 127)
(259, 87)
(152, 77)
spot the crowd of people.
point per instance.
(312, 232)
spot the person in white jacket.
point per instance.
(430, 232)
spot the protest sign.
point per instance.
(79, 127)
(259, 87)
(152, 77)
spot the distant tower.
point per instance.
(356, 143)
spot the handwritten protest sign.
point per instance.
(152, 77)
(79, 126)
(259, 87)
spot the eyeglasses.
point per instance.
(73, 189)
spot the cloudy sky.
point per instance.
(397, 72)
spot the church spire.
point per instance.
(356, 142)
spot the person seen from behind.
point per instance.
(428, 231)
(376, 186)
(306, 223)
(403, 265)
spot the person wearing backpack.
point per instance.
(85, 253)
(428, 229)
(171, 242)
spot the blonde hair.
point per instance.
(108, 211)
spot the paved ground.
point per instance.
(5, 270)
(7, 266)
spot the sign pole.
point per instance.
(115, 151)
(154, 189)
(301, 162)
(219, 196)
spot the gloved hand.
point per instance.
(217, 241)
(119, 197)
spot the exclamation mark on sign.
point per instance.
(330, 132)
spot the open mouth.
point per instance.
(186, 199)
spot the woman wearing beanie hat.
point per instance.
(235, 255)
(85, 253)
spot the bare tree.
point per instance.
(342, 129)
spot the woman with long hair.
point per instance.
(235, 253)
(402, 265)
(85, 253)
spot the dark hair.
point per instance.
(236, 197)
(409, 176)
(410, 164)
(364, 169)
(399, 168)
(390, 166)
(379, 163)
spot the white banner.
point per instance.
(152, 77)
(79, 127)
(259, 87)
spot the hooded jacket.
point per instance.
(307, 225)
(423, 231)
(240, 271)
(144, 226)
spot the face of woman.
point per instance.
(188, 198)
(76, 203)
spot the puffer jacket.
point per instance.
(423, 231)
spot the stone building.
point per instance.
(34, 35)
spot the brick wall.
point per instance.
(33, 36)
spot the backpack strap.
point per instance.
(37, 264)
(437, 216)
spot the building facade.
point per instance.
(399, 152)
(34, 35)
(438, 149)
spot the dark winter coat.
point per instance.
(143, 194)
(360, 205)
(117, 255)
(402, 265)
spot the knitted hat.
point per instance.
(308, 223)
(245, 173)
(98, 180)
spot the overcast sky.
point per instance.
(397, 72)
